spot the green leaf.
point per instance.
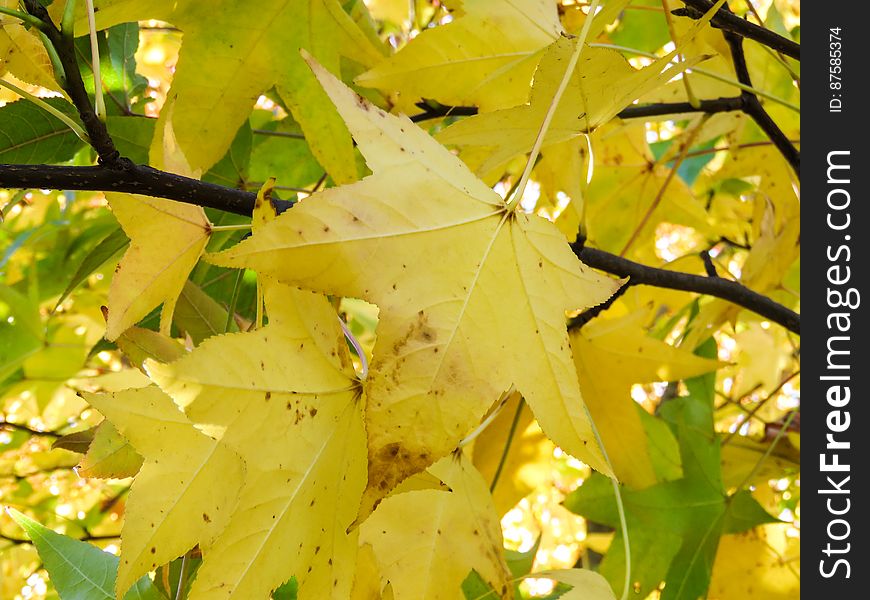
(29, 135)
(78, 442)
(674, 527)
(120, 82)
(287, 591)
(79, 570)
(285, 156)
(645, 30)
(232, 169)
(110, 245)
(199, 315)
(132, 136)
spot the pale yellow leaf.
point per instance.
(186, 488)
(472, 297)
(760, 564)
(528, 462)
(286, 399)
(427, 542)
(602, 84)
(232, 53)
(22, 54)
(166, 240)
(486, 57)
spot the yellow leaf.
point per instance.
(427, 542)
(561, 172)
(486, 57)
(184, 492)
(286, 399)
(367, 579)
(628, 184)
(528, 461)
(166, 240)
(23, 55)
(760, 564)
(233, 52)
(610, 356)
(602, 84)
(109, 456)
(472, 296)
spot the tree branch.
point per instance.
(75, 88)
(752, 106)
(134, 179)
(715, 105)
(725, 289)
(729, 22)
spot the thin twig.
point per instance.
(731, 23)
(725, 289)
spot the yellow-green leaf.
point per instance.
(610, 356)
(234, 51)
(109, 455)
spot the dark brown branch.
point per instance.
(590, 313)
(715, 105)
(712, 286)
(134, 179)
(752, 106)
(75, 87)
(729, 22)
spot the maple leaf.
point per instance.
(674, 526)
(286, 399)
(485, 57)
(610, 356)
(427, 541)
(166, 240)
(472, 295)
(185, 490)
(234, 51)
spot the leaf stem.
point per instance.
(182, 576)
(22, 16)
(620, 507)
(542, 133)
(99, 102)
(76, 128)
(237, 227)
(507, 444)
(351, 338)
